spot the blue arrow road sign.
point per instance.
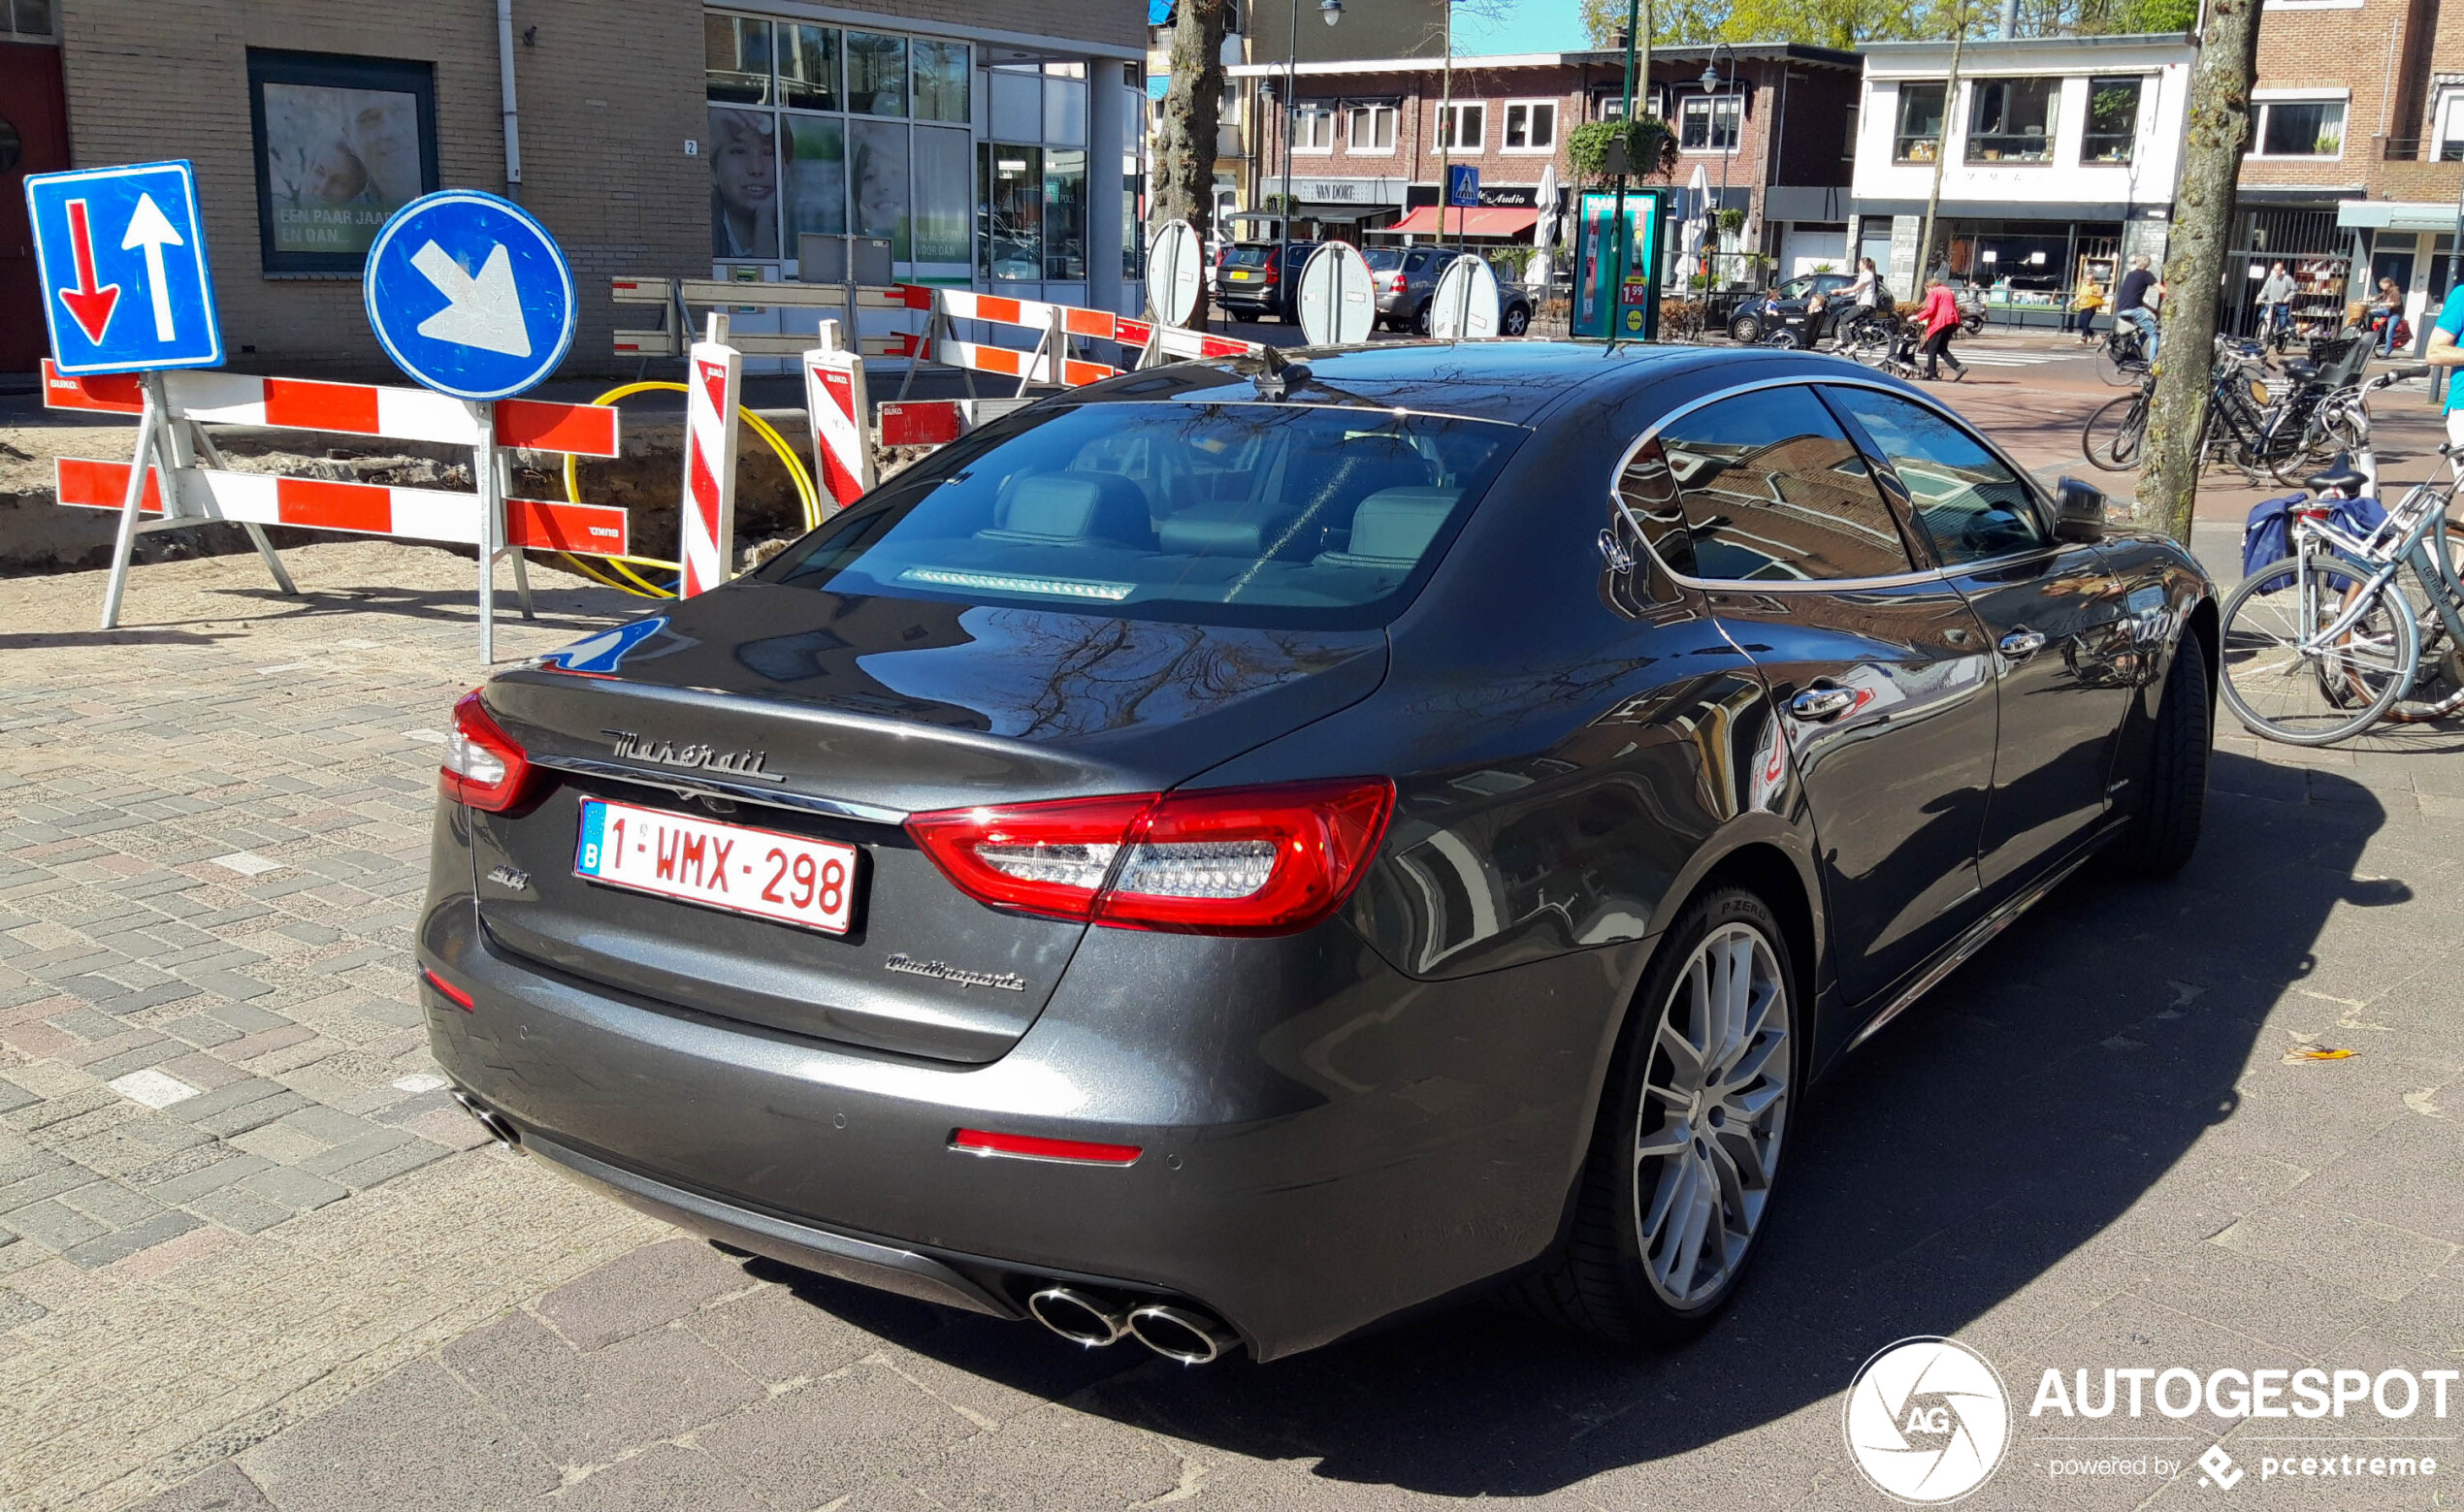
(121, 252)
(470, 295)
(1463, 184)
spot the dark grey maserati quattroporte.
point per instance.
(1233, 853)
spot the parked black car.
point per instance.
(1240, 850)
(1251, 281)
(1786, 304)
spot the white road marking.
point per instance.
(154, 1088)
(247, 863)
(421, 1082)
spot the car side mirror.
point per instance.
(2079, 511)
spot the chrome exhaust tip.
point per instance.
(488, 1118)
(1182, 1334)
(1081, 1317)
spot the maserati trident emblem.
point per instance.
(693, 757)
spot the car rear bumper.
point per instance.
(1322, 1145)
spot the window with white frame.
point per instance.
(1371, 125)
(1609, 104)
(1462, 127)
(1530, 126)
(26, 20)
(1313, 126)
(2448, 133)
(2299, 128)
(1710, 122)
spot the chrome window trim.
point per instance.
(1829, 585)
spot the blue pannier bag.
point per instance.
(2268, 536)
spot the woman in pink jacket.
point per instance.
(1940, 317)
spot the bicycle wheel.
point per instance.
(2285, 679)
(2119, 368)
(2114, 435)
(2438, 689)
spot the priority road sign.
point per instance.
(122, 253)
(470, 295)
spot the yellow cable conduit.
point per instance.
(625, 577)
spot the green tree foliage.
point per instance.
(1850, 23)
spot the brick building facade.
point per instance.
(662, 137)
(1370, 143)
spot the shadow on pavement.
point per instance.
(2023, 1111)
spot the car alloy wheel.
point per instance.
(1746, 329)
(1713, 1111)
(1518, 320)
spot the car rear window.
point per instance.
(1254, 514)
(1247, 257)
(1383, 258)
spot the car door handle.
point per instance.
(2020, 644)
(1823, 703)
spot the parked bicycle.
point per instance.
(2324, 643)
(2312, 411)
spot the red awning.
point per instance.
(1488, 220)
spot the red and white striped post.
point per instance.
(842, 417)
(714, 373)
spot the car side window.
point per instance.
(1971, 505)
(1774, 491)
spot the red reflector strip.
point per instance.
(460, 998)
(983, 1142)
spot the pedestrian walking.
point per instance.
(1940, 317)
(2085, 301)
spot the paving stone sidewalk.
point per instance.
(250, 1258)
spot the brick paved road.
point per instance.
(249, 1259)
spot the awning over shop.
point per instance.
(2397, 214)
(1487, 220)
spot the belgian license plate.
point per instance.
(735, 867)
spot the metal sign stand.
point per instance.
(489, 473)
(168, 441)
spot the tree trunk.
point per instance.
(2220, 125)
(1185, 146)
(1941, 155)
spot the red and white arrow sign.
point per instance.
(88, 305)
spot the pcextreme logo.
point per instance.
(1927, 1421)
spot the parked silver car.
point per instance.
(1405, 285)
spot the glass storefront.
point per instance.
(836, 130)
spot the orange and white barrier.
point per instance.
(417, 514)
(1008, 361)
(714, 374)
(176, 477)
(834, 398)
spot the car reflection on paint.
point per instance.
(1312, 839)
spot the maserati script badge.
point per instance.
(1006, 981)
(693, 757)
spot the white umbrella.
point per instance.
(1545, 230)
(1698, 208)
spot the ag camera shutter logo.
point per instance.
(1927, 1421)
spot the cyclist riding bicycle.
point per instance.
(2133, 300)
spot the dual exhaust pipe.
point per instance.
(1169, 1329)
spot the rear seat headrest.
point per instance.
(1224, 530)
(1070, 507)
(1394, 526)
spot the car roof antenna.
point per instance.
(1281, 374)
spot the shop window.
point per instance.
(1709, 123)
(2301, 128)
(941, 178)
(1372, 125)
(2113, 121)
(941, 82)
(1313, 126)
(1918, 139)
(815, 175)
(744, 183)
(1065, 214)
(1065, 110)
(341, 143)
(2012, 120)
(808, 67)
(1462, 127)
(1530, 126)
(1012, 200)
(736, 52)
(876, 74)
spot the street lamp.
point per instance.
(1330, 12)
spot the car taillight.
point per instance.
(1229, 860)
(484, 767)
(1274, 269)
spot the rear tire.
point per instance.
(2166, 829)
(1674, 1192)
(1745, 330)
(2113, 436)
